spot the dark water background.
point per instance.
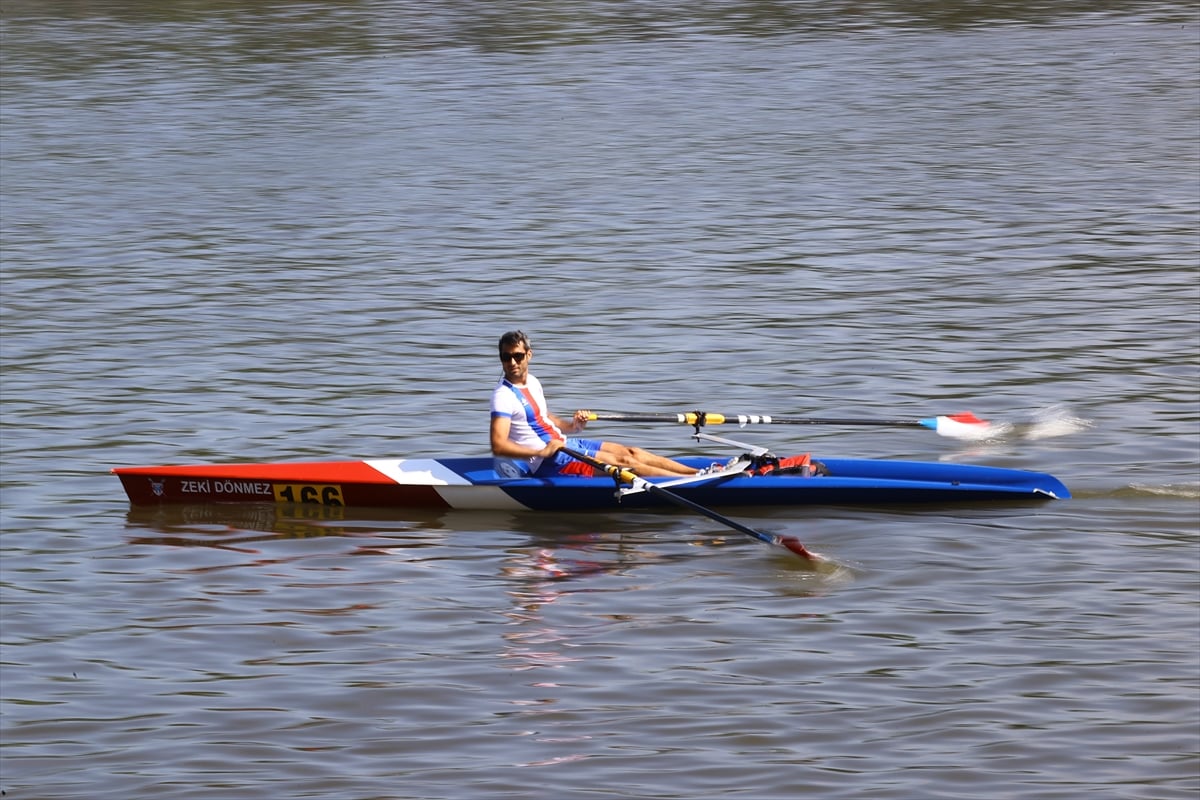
(279, 230)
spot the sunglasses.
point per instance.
(517, 357)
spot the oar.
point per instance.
(628, 476)
(959, 426)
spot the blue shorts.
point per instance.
(562, 464)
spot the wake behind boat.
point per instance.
(473, 483)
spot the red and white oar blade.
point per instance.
(961, 426)
(794, 544)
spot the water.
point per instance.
(285, 231)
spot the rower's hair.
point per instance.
(514, 338)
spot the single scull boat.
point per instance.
(473, 483)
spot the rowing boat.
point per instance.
(473, 483)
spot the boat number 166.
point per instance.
(325, 494)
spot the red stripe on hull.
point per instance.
(334, 483)
(299, 472)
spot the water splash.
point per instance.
(1046, 423)
(1051, 422)
(1189, 491)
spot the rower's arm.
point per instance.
(576, 424)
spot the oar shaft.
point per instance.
(714, 418)
(964, 425)
(628, 476)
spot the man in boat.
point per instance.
(527, 438)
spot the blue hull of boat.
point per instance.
(851, 482)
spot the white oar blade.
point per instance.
(961, 426)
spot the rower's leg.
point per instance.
(643, 462)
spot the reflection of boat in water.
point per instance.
(562, 549)
(237, 525)
(218, 524)
(535, 549)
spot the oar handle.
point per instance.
(689, 417)
(620, 473)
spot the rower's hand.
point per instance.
(581, 419)
(552, 447)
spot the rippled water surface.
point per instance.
(280, 231)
